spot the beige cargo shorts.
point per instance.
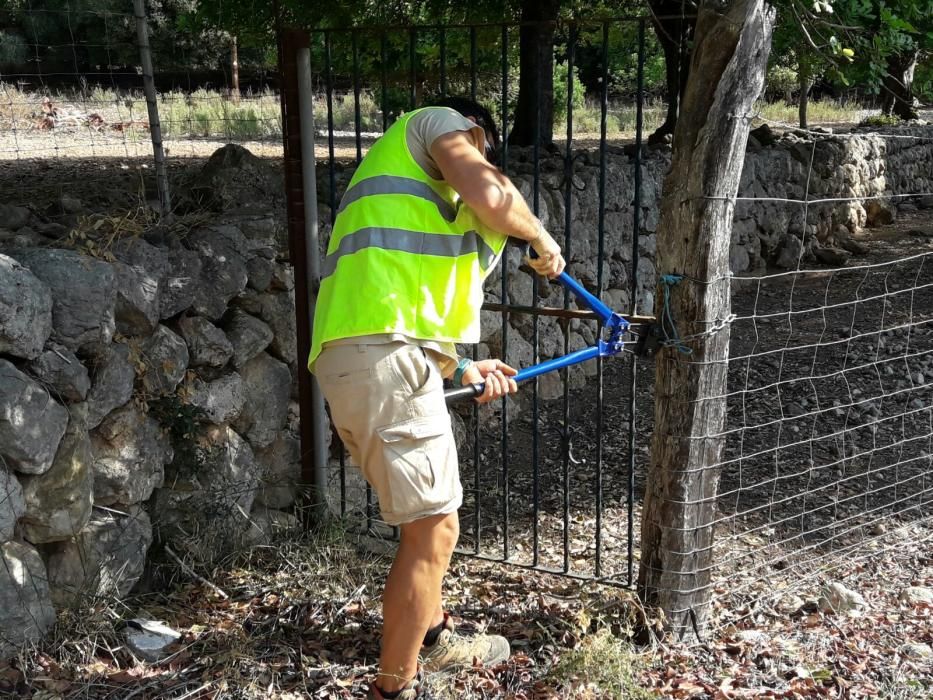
(387, 403)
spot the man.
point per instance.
(417, 231)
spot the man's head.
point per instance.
(474, 111)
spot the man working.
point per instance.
(420, 226)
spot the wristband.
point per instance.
(462, 366)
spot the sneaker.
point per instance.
(413, 690)
(452, 650)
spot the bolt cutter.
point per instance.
(614, 325)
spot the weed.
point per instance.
(183, 423)
(877, 120)
(601, 666)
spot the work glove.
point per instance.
(546, 258)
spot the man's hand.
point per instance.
(496, 374)
(549, 261)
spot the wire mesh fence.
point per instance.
(827, 446)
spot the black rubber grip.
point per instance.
(468, 391)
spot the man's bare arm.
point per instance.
(494, 198)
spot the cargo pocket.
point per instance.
(416, 453)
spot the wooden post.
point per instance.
(733, 40)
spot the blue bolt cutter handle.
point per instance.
(614, 323)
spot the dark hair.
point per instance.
(483, 117)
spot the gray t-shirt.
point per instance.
(431, 123)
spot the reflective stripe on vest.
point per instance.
(447, 245)
(404, 257)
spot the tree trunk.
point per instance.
(674, 34)
(733, 40)
(234, 72)
(897, 86)
(803, 84)
(536, 72)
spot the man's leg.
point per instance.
(412, 595)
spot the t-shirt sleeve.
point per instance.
(429, 124)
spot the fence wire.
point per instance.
(828, 437)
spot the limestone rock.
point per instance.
(25, 310)
(280, 462)
(917, 650)
(130, 454)
(879, 212)
(837, 598)
(31, 422)
(12, 505)
(83, 296)
(268, 386)
(165, 357)
(832, 256)
(221, 400)
(223, 268)
(62, 372)
(915, 595)
(248, 335)
(13, 217)
(207, 514)
(26, 611)
(105, 559)
(233, 177)
(789, 252)
(137, 306)
(266, 524)
(207, 344)
(176, 293)
(58, 503)
(277, 309)
(259, 273)
(112, 383)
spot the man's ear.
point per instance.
(472, 119)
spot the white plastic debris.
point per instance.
(149, 639)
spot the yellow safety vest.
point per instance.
(405, 256)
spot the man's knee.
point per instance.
(437, 534)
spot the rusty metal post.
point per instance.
(301, 206)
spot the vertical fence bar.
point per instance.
(357, 124)
(600, 255)
(568, 220)
(332, 198)
(473, 63)
(152, 107)
(535, 339)
(357, 118)
(443, 52)
(384, 55)
(636, 226)
(505, 316)
(477, 476)
(412, 62)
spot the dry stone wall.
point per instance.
(146, 395)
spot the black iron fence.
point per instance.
(557, 490)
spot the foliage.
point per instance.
(183, 423)
(561, 81)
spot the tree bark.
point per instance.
(733, 40)
(803, 97)
(536, 65)
(897, 86)
(234, 72)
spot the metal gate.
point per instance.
(548, 484)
